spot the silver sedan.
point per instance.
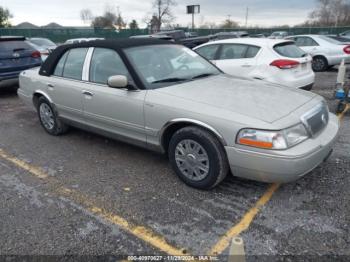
(165, 97)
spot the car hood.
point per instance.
(266, 102)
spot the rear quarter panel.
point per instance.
(30, 82)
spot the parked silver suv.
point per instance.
(165, 97)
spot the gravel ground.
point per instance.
(305, 219)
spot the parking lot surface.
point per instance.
(83, 194)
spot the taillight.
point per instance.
(347, 50)
(36, 54)
(285, 64)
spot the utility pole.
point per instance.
(246, 17)
(193, 21)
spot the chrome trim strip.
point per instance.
(191, 121)
(43, 94)
(86, 67)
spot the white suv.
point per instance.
(275, 61)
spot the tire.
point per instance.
(48, 118)
(185, 148)
(319, 64)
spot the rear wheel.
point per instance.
(48, 118)
(198, 158)
(319, 64)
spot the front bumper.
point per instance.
(284, 166)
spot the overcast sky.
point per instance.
(66, 12)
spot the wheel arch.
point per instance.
(172, 126)
(36, 96)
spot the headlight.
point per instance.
(273, 139)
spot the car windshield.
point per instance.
(162, 65)
(42, 42)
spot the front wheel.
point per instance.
(48, 118)
(198, 158)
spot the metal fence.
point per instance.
(60, 35)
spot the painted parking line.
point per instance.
(140, 232)
(248, 218)
(245, 222)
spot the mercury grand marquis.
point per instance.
(165, 97)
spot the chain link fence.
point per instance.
(60, 35)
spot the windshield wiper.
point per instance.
(203, 75)
(170, 80)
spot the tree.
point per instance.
(86, 16)
(162, 12)
(5, 15)
(330, 13)
(229, 24)
(107, 20)
(133, 25)
(120, 21)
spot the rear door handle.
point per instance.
(246, 65)
(87, 93)
(50, 86)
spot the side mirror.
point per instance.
(118, 81)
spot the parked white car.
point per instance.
(81, 40)
(43, 45)
(279, 35)
(326, 51)
(274, 61)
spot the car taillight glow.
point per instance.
(347, 50)
(285, 64)
(36, 54)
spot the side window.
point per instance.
(299, 41)
(305, 41)
(233, 51)
(252, 51)
(105, 63)
(73, 67)
(310, 42)
(209, 51)
(59, 67)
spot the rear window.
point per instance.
(42, 42)
(10, 46)
(289, 50)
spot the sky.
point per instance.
(67, 12)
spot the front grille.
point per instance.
(316, 119)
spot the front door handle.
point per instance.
(246, 65)
(88, 93)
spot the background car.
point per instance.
(43, 45)
(82, 40)
(345, 34)
(228, 35)
(279, 35)
(326, 52)
(16, 55)
(274, 61)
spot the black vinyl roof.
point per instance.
(118, 45)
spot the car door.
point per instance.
(237, 59)
(65, 85)
(209, 52)
(116, 111)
